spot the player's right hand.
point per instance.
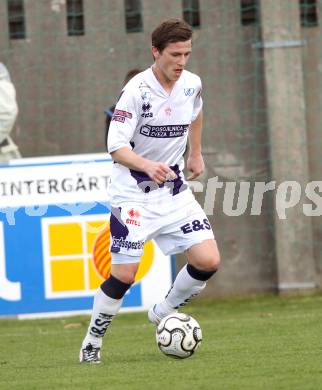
(159, 172)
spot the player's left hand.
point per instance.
(195, 165)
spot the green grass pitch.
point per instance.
(255, 343)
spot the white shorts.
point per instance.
(175, 225)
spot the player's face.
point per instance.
(173, 59)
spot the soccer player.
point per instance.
(158, 110)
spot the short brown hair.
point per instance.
(169, 31)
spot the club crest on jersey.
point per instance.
(146, 95)
(134, 215)
(145, 92)
(189, 91)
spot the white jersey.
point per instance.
(154, 124)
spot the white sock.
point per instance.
(104, 309)
(183, 289)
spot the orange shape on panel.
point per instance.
(102, 256)
(101, 253)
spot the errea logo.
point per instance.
(146, 107)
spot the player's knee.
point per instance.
(213, 262)
(124, 268)
(209, 262)
(199, 273)
(127, 277)
(116, 288)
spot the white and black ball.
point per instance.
(178, 335)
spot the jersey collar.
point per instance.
(153, 81)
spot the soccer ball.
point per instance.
(178, 335)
